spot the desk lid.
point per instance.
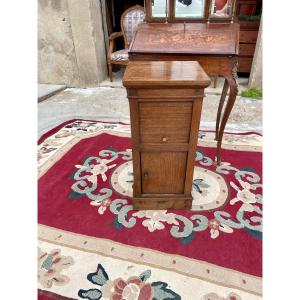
(182, 74)
(188, 38)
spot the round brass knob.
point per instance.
(164, 139)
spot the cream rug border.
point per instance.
(153, 258)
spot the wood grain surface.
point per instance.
(165, 74)
(165, 116)
(165, 122)
(163, 172)
(189, 38)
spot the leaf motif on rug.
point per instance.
(134, 287)
(91, 294)
(161, 292)
(99, 277)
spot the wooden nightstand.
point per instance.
(165, 100)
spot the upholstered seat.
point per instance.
(121, 55)
(130, 20)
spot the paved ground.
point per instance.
(109, 102)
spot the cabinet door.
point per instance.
(163, 172)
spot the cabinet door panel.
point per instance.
(163, 172)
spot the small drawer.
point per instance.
(165, 122)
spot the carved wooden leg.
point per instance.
(220, 108)
(232, 96)
(110, 71)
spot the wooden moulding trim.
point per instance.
(180, 98)
(187, 55)
(180, 84)
(185, 266)
(148, 56)
(168, 93)
(185, 92)
(162, 147)
(158, 196)
(182, 203)
(166, 98)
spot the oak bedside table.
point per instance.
(165, 99)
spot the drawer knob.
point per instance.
(164, 139)
(146, 174)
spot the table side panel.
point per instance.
(193, 138)
(135, 139)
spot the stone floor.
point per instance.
(109, 102)
(47, 90)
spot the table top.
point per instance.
(165, 74)
(188, 38)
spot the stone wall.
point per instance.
(71, 47)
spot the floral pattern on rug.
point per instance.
(92, 173)
(132, 288)
(93, 213)
(50, 266)
(154, 219)
(86, 177)
(77, 128)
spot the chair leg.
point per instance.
(110, 72)
(216, 81)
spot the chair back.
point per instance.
(130, 20)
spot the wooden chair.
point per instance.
(130, 19)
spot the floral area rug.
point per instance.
(93, 245)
